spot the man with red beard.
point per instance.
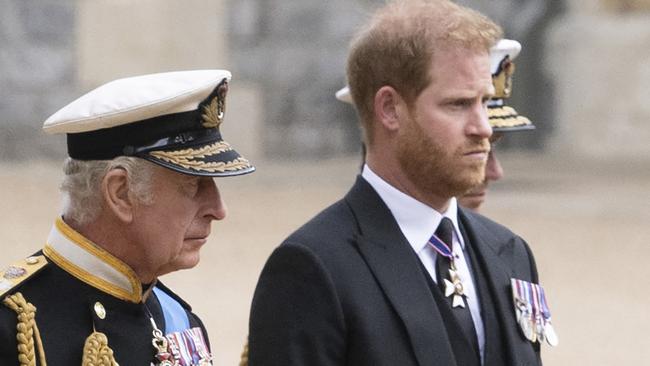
(502, 118)
(396, 273)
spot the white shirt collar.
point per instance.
(416, 220)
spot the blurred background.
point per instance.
(577, 188)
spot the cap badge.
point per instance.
(502, 79)
(214, 112)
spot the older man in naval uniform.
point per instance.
(139, 200)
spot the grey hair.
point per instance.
(81, 186)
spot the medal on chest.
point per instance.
(186, 348)
(533, 313)
(453, 285)
(159, 342)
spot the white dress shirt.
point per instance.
(418, 222)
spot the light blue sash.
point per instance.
(176, 319)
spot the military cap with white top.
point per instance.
(502, 118)
(344, 95)
(171, 119)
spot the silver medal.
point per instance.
(539, 329)
(551, 336)
(525, 325)
(533, 329)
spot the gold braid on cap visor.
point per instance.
(191, 158)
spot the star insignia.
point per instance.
(455, 288)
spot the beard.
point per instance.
(435, 169)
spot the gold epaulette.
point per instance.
(18, 272)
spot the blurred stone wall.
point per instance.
(37, 64)
(297, 50)
(123, 38)
(599, 57)
(624, 6)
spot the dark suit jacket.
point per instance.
(347, 289)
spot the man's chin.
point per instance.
(472, 183)
(472, 201)
(185, 261)
(189, 261)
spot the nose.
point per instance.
(479, 124)
(213, 205)
(493, 169)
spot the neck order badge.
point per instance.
(453, 285)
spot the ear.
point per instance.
(387, 102)
(115, 189)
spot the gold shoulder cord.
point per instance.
(27, 330)
(244, 356)
(97, 352)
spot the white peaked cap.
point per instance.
(135, 98)
(171, 119)
(503, 48)
(344, 95)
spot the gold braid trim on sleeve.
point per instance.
(97, 352)
(27, 330)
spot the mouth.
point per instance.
(479, 154)
(478, 150)
(476, 194)
(199, 238)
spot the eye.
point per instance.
(190, 186)
(461, 103)
(203, 185)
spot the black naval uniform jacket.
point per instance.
(348, 289)
(71, 304)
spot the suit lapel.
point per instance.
(396, 268)
(498, 275)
